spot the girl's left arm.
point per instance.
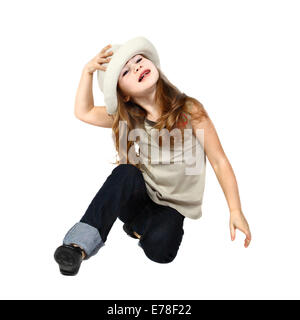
(223, 171)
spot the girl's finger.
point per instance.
(103, 60)
(100, 67)
(248, 235)
(104, 55)
(107, 54)
(247, 242)
(232, 231)
(105, 48)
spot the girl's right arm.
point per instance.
(84, 103)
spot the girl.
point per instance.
(151, 197)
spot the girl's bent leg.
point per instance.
(122, 195)
(163, 234)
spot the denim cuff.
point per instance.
(85, 236)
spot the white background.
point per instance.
(239, 58)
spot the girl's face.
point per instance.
(129, 76)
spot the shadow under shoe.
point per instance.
(69, 259)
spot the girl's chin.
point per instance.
(148, 83)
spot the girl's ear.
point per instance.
(126, 99)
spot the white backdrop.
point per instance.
(239, 58)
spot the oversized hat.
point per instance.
(108, 79)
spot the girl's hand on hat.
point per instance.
(97, 62)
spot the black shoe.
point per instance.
(129, 231)
(69, 259)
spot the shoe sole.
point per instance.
(66, 261)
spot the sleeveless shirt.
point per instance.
(175, 176)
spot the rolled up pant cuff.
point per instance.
(85, 236)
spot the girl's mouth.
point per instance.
(145, 74)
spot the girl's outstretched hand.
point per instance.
(238, 221)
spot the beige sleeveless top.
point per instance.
(174, 177)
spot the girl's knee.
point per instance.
(159, 254)
(161, 257)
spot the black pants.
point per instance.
(123, 195)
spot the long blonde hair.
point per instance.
(174, 106)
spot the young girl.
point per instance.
(150, 196)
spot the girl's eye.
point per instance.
(138, 60)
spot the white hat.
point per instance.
(108, 79)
